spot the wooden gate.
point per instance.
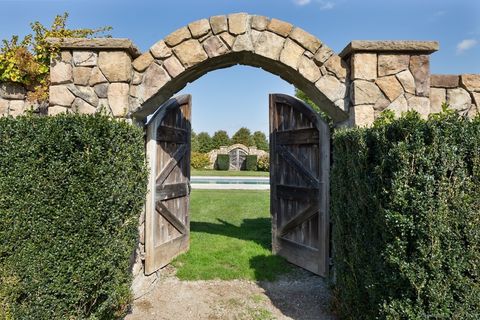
(299, 183)
(167, 225)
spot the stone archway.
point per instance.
(223, 41)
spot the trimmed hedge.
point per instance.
(223, 162)
(251, 162)
(406, 219)
(71, 190)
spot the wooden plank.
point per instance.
(303, 216)
(169, 134)
(297, 165)
(299, 136)
(172, 191)
(167, 251)
(170, 217)
(296, 193)
(300, 255)
(172, 163)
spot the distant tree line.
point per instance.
(203, 142)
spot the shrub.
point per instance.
(71, 190)
(223, 162)
(406, 217)
(251, 162)
(263, 163)
(199, 160)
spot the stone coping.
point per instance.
(422, 47)
(97, 44)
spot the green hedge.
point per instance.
(251, 162)
(71, 190)
(199, 160)
(223, 162)
(406, 219)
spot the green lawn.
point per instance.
(230, 237)
(216, 173)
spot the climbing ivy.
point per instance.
(27, 61)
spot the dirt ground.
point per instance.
(298, 295)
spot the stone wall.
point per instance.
(13, 100)
(461, 92)
(226, 150)
(92, 75)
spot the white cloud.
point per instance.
(326, 5)
(465, 45)
(302, 2)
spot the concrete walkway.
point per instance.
(223, 183)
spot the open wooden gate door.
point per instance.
(167, 224)
(299, 183)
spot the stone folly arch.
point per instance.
(223, 41)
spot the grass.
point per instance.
(230, 237)
(217, 173)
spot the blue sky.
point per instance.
(238, 96)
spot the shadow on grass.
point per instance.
(257, 230)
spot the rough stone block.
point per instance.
(363, 115)
(390, 86)
(173, 66)
(279, 27)
(60, 73)
(101, 90)
(115, 65)
(305, 39)
(407, 81)
(322, 55)
(85, 58)
(381, 103)
(214, 47)
(399, 106)
(308, 69)
(3, 107)
(86, 93)
(190, 53)
(96, 77)
(420, 68)
(155, 77)
(444, 80)
(54, 110)
(437, 97)
(81, 75)
(228, 38)
(459, 99)
(177, 36)
(331, 87)
(141, 63)
(61, 96)
(337, 66)
(160, 50)
(199, 28)
(364, 66)
(137, 78)
(14, 91)
(66, 56)
(219, 24)
(269, 45)
(291, 53)
(392, 63)
(16, 107)
(365, 92)
(259, 23)
(82, 107)
(420, 104)
(476, 98)
(471, 81)
(237, 23)
(243, 42)
(118, 98)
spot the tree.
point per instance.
(204, 142)
(194, 142)
(302, 96)
(220, 138)
(243, 136)
(260, 140)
